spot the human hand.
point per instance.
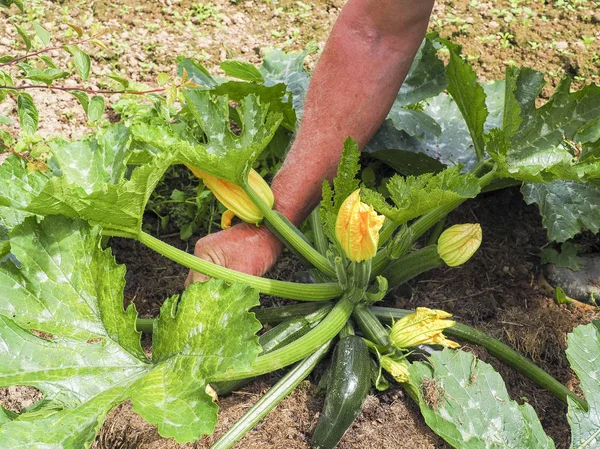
(243, 247)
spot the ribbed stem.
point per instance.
(497, 349)
(321, 242)
(371, 327)
(269, 400)
(275, 315)
(299, 349)
(290, 234)
(412, 264)
(290, 290)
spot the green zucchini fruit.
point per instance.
(349, 384)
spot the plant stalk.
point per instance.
(290, 235)
(498, 350)
(290, 290)
(412, 264)
(371, 327)
(270, 399)
(325, 331)
(316, 225)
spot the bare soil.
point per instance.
(497, 291)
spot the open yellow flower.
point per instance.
(357, 228)
(398, 368)
(235, 199)
(424, 326)
(458, 243)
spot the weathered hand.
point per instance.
(243, 247)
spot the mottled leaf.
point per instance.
(465, 402)
(86, 356)
(567, 207)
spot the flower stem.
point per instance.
(498, 350)
(371, 326)
(269, 400)
(299, 349)
(290, 290)
(412, 264)
(290, 234)
(274, 315)
(316, 225)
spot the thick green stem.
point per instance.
(299, 349)
(269, 400)
(387, 230)
(498, 350)
(436, 232)
(290, 290)
(144, 325)
(316, 225)
(371, 327)
(412, 264)
(290, 235)
(275, 315)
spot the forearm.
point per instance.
(365, 60)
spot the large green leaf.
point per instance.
(414, 196)
(567, 207)
(452, 147)
(88, 358)
(465, 402)
(226, 154)
(538, 150)
(582, 352)
(93, 185)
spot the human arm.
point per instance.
(355, 82)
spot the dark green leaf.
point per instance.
(566, 258)
(242, 70)
(42, 33)
(414, 123)
(95, 108)
(567, 207)
(465, 402)
(469, 97)
(426, 77)
(5, 59)
(28, 113)
(24, 36)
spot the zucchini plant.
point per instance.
(64, 331)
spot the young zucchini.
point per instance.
(349, 384)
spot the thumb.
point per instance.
(203, 251)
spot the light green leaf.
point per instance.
(344, 183)
(93, 186)
(119, 79)
(81, 60)
(195, 72)
(225, 154)
(288, 68)
(465, 402)
(42, 33)
(46, 76)
(567, 207)
(83, 98)
(469, 97)
(95, 108)
(242, 70)
(24, 36)
(49, 62)
(426, 77)
(582, 352)
(415, 196)
(28, 113)
(89, 359)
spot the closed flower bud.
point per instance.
(423, 327)
(357, 228)
(398, 368)
(235, 199)
(458, 243)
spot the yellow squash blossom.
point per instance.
(235, 199)
(458, 243)
(398, 368)
(422, 327)
(357, 228)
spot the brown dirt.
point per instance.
(496, 291)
